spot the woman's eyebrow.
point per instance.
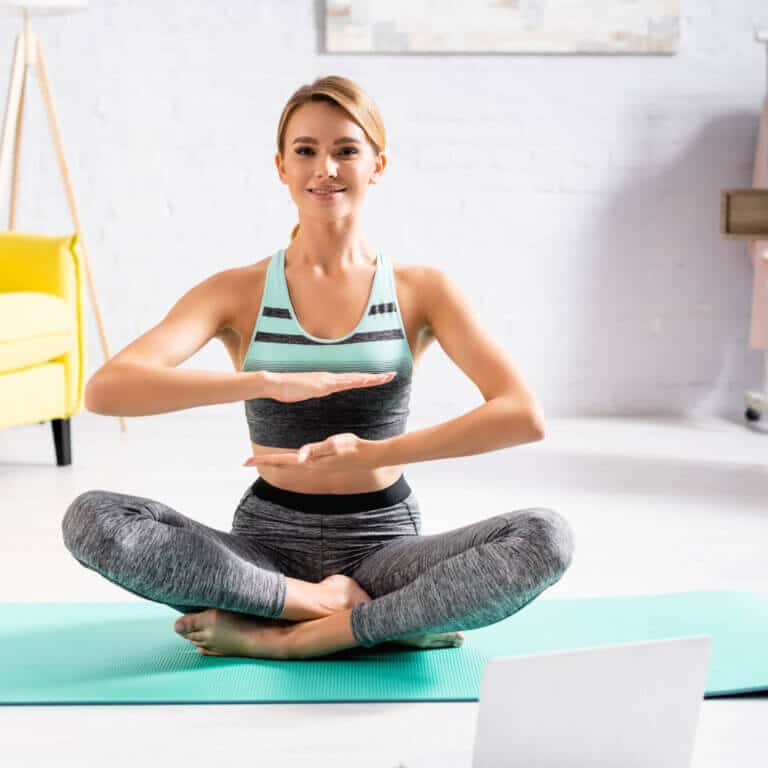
(342, 140)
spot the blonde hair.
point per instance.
(343, 93)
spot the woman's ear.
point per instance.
(280, 169)
(380, 165)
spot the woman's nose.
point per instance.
(329, 165)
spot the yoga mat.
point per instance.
(127, 653)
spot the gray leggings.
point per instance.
(465, 578)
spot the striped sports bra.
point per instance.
(378, 343)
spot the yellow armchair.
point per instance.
(43, 359)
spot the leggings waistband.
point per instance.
(333, 503)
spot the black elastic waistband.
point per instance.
(333, 503)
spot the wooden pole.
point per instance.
(11, 107)
(17, 133)
(45, 87)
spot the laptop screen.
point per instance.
(634, 704)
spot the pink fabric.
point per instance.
(758, 249)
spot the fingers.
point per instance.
(290, 457)
(370, 380)
(371, 376)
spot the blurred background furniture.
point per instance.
(744, 216)
(42, 334)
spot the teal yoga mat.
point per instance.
(127, 653)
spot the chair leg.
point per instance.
(63, 440)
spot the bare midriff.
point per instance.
(306, 480)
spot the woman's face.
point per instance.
(325, 147)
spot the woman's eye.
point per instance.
(350, 149)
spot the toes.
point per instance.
(185, 623)
(190, 622)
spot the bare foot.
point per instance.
(223, 633)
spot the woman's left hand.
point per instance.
(337, 452)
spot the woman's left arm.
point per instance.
(510, 416)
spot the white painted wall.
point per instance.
(575, 198)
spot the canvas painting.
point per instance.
(503, 26)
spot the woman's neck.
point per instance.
(327, 258)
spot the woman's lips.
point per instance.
(327, 195)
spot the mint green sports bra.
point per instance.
(378, 343)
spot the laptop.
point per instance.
(633, 705)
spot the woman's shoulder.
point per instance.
(420, 277)
(245, 275)
(239, 287)
(255, 268)
(417, 290)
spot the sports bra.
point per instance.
(377, 344)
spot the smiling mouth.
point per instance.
(327, 192)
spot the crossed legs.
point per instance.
(413, 586)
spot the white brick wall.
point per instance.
(575, 198)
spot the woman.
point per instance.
(325, 551)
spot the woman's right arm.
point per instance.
(143, 378)
(135, 389)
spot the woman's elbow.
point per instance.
(93, 397)
(526, 426)
(537, 425)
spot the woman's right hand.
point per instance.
(303, 385)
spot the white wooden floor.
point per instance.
(657, 506)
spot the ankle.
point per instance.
(306, 600)
(342, 593)
(334, 594)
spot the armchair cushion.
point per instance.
(34, 328)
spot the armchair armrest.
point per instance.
(42, 263)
